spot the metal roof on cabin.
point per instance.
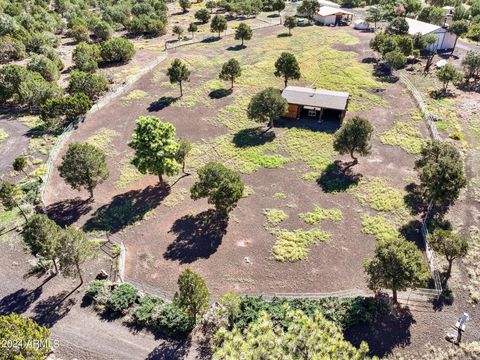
(327, 11)
(415, 27)
(328, 3)
(319, 98)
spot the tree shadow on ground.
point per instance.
(412, 231)
(285, 34)
(171, 350)
(328, 124)
(470, 86)
(211, 39)
(414, 199)
(385, 333)
(236, 47)
(383, 73)
(67, 212)
(126, 209)
(252, 137)
(198, 236)
(162, 103)
(219, 93)
(19, 301)
(337, 177)
(54, 308)
(369, 60)
(445, 299)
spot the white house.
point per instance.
(331, 16)
(445, 40)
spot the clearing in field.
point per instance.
(300, 227)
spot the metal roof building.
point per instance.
(445, 40)
(332, 15)
(315, 101)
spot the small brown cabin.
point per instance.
(315, 103)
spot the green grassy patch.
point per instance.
(103, 140)
(175, 197)
(320, 214)
(32, 121)
(310, 176)
(247, 191)
(128, 175)
(379, 195)
(41, 145)
(3, 134)
(279, 195)
(40, 171)
(275, 216)
(134, 95)
(8, 217)
(405, 134)
(295, 245)
(380, 227)
(321, 65)
(315, 148)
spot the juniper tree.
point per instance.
(178, 72)
(193, 295)
(243, 32)
(84, 166)
(222, 187)
(287, 67)
(231, 70)
(354, 137)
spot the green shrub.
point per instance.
(203, 16)
(79, 33)
(122, 298)
(116, 49)
(92, 85)
(11, 49)
(50, 53)
(45, 38)
(34, 91)
(396, 59)
(86, 57)
(60, 111)
(11, 77)
(94, 288)
(44, 66)
(143, 313)
(456, 135)
(102, 31)
(147, 25)
(172, 320)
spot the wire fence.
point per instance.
(430, 120)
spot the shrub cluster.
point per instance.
(147, 311)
